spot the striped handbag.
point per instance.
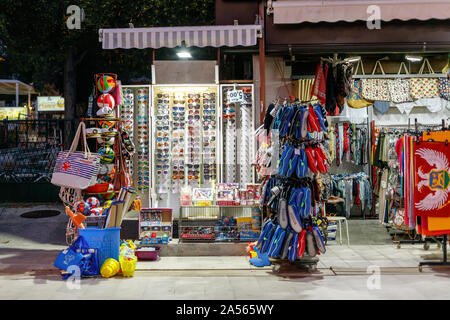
(76, 169)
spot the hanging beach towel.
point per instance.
(424, 87)
(355, 99)
(319, 86)
(76, 169)
(399, 88)
(376, 89)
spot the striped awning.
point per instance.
(292, 12)
(198, 36)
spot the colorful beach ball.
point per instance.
(93, 202)
(106, 154)
(106, 100)
(106, 84)
(110, 192)
(106, 123)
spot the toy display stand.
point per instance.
(97, 221)
(286, 266)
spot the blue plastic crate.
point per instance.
(106, 241)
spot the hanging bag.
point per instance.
(424, 87)
(444, 88)
(76, 169)
(122, 177)
(73, 255)
(376, 89)
(399, 88)
(355, 99)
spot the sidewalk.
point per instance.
(28, 248)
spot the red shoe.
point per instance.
(311, 159)
(301, 243)
(321, 160)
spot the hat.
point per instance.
(381, 106)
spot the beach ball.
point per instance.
(106, 100)
(106, 123)
(82, 207)
(106, 84)
(96, 211)
(93, 202)
(109, 193)
(106, 140)
(106, 154)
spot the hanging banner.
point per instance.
(50, 103)
(431, 179)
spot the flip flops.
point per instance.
(310, 244)
(302, 164)
(304, 121)
(320, 160)
(293, 162)
(293, 247)
(285, 160)
(287, 243)
(311, 160)
(301, 243)
(276, 242)
(305, 203)
(320, 244)
(264, 237)
(294, 210)
(318, 112)
(282, 213)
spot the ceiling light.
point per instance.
(413, 58)
(184, 54)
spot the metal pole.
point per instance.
(262, 66)
(17, 94)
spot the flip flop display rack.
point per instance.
(291, 197)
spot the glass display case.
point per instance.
(135, 116)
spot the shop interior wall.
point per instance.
(278, 77)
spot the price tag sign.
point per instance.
(235, 96)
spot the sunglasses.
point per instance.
(162, 95)
(193, 106)
(194, 96)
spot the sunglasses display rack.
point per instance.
(238, 127)
(135, 116)
(184, 141)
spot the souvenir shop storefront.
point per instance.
(203, 168)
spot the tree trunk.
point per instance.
(70, 89)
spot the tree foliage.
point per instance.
(35, 41)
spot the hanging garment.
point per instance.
(332, 142)
(331, 93)
(342, 138)
(338, 147)
(319, 88)
(381, 106)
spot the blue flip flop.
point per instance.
(268, 238)
(287, 243)
(294, 211)
(305, 205)
(277, 242)
(302, 164)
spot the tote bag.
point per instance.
(355, 99)
(424, 87)
(399, 88)
(376, 89)
(444, 88)
(76, 169)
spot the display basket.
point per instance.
(147, 255)
(106, 241)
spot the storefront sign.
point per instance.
(13, 113)
(50, 103)
(234, 96)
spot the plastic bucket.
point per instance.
(106, 241)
